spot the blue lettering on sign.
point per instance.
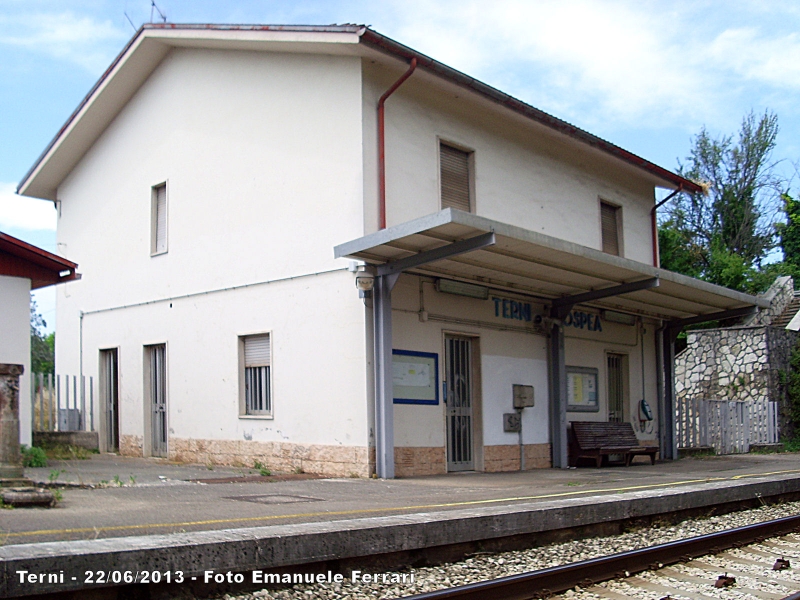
(582, 320)
(512, 309)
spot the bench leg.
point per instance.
(653, 458)
(628, 459)
(599, 460)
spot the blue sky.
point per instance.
(644, 75)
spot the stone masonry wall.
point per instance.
(741, 363)
(724, 364)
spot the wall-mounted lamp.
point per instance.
(365, 281)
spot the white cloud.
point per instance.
(25, 213)
(621, 61)
(85, 41)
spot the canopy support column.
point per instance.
(558, 395)
(384, 401)
(668, 440)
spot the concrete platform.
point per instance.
(159, 497)
(164, 521)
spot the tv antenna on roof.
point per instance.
(158, 10)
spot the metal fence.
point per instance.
(728, 426)
(62, 402)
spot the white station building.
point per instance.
(317, 248)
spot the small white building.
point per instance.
(24, 267)
(217, 185)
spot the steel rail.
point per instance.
(546, 582)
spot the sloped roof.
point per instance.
(153, 42)
(21, 259)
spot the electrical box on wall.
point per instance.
(523, 396)
(512, 422)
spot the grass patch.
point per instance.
(791, 445)
(33, 456)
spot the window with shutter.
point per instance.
(609, 224)
(257, 367)
(159, 220)
(455, 178)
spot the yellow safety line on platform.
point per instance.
(387, 509)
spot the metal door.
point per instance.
(111, 398)
(158, 399)
(616, 390)
(458, 373)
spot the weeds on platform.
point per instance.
(33, 456)
(262, 469)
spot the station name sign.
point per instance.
(522, 311)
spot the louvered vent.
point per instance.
(609, 224)
(455, 178)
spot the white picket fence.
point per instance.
(728, 426)
(62, 402)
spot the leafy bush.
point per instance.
(33, 456)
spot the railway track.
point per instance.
(691, 568)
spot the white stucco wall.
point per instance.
(524, 174)
(261, 153)
(15, 342)
(512, 352)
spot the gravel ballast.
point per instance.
(491, 566)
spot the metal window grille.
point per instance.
(160, 219)
(455, 178)
(609, 215)
(257, 388)
(616, 395)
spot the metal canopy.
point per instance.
(542, 266)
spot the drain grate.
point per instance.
(273, 499)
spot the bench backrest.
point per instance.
(590, 436)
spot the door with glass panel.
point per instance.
(459, 403)
(158, 399)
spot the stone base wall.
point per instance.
(506, 458)
(131, 445)
(81, 439)
(409, 462)
(338, 461)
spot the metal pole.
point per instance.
(521, 445)
(52, 405)
(384, 401)
(670, 441)
(82, 422)
(558, 396)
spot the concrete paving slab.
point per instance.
(164, 498)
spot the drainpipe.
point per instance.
(381, 144)
(654, 223)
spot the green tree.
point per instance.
(42, 346)
(789, 233)
(723, 235)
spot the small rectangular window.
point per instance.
(257, 375)
(159, 219)
(455, 178)
(609, 225)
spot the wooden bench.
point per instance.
(598, 440)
